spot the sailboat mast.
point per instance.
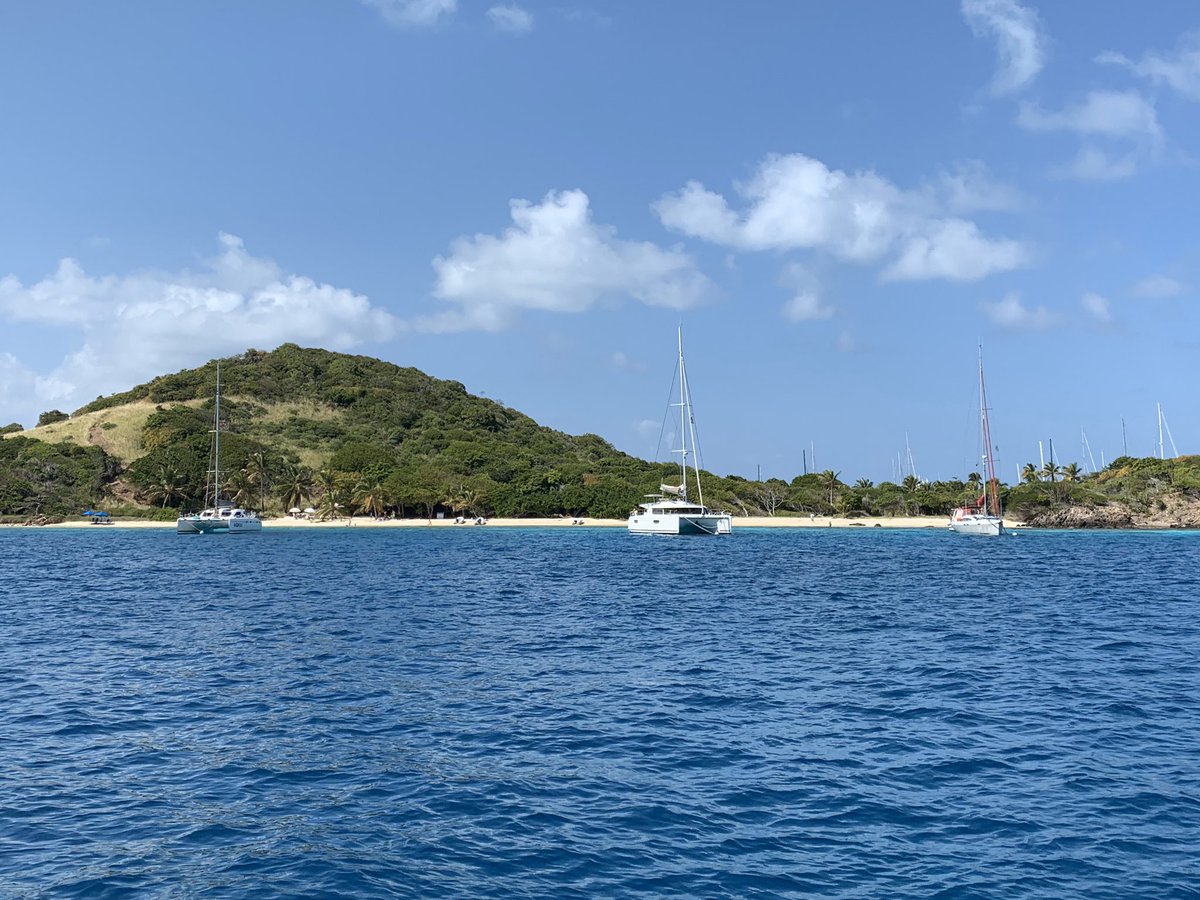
(682, 419)
(991, 495)
(217, 441)
(1161, 454)
(687, 425)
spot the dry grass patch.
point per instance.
(117, 431)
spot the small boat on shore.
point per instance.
(219, 516)
(982, 517)
(670, 511)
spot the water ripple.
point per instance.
(573, 713)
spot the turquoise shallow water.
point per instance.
(577, 712)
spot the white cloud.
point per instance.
(1158, 287)
(971, 188)
(1093, 164)
(955, 250)
(555, 259)
(1009, 312)
(806, 306)
(511, 18)
(1019, 40)
(1110, 114)
(1178, 69)
(805, 303)
(1096, 307)
(143, 324)
(413, 13)
(646, 427)
(1123, 116)
(796, 202)
(24, 393)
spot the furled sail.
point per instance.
(672, 489)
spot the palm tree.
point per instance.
(1030, 473)
(864, 484)
(911, 484)
(330, 484)
(462, 500)
(368, 495)
(1051, 470)
(829, 479)
(258, 473)
(167, 486)
(974, 482)
(240, 488)
(297, 484)
(1070, 472)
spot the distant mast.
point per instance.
(687, 426)
(216, 470)
(991, 495)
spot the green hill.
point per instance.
(351, 433)
(308, 425)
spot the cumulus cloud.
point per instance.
(1110, 114)
(1157, 287)
(1096, 307)
(554, 258)
(954, 249)
(796, 202)
(806, 306)
(1009, 312)
(1019, 40)
(1093, 164)
(1178, 69)
(149, 322)
(413, 13)
(1123, 117)
(805, 303)
(971, 187)
(510, 18)
(24, 393)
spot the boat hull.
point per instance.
(990, 526)
(197, 525)
(649, 523)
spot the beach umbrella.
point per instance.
(309, 509)
(294, 509)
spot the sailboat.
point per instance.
(671, 511)
(218, 517)
(983, 516)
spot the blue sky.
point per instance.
(838, 202)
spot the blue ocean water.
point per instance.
(489, 712)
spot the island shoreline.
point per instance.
(290, 523)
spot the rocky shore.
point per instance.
(1169, 512)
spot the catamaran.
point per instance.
(219, 516)
(671, 511)
(984, 515)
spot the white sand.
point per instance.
(738, 522)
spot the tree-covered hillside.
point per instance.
(350, 434)
(305, 426)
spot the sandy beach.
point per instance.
(367, 522)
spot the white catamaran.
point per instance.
(671, 512)
(983, 516)
(218, 517)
